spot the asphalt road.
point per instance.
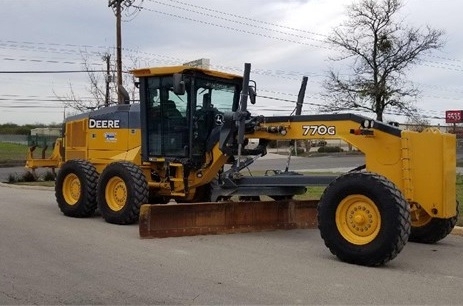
(47, 258)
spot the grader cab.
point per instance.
(174, 163)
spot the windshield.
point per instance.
(220, 95)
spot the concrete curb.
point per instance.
(27, 187)
(458, 230)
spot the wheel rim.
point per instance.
(71, 189)
(420, 218)
(358, 219)
(116, 193)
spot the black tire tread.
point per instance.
(138, 193)
(89, 178)
(402, 226)
(434, 231)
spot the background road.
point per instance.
(46, 258)
(270, 161)
(334, 163)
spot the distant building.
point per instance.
(46, 132)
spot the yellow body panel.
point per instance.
(101, 146)
(430, 171)
(422, 165)
(169, 70)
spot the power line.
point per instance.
(46, 71)
(279, 75)
(185, 4)
(268, 29)
(239, 30)
(445, 66)
(36, 60)
(254, 21)
(253, 25)
(239, 17)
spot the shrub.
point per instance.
(48, 176)
(12, 178)
(327, 149)
(28, 177)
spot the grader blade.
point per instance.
(159, 221)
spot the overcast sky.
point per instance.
(283, 39)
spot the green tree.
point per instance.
(380, 50)
(15, 129)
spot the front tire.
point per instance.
(75, 188)
(122, 189)
(364, 219)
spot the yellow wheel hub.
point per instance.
(71, 189)
(358, 219)
(116, 193)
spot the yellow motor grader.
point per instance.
(173, 162)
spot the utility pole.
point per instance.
(118, 6)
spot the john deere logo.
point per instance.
(103, 124)
(219, 119)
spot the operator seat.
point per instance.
(170, 110)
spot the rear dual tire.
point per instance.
(426, 229)
(75, 188)
(122, 189)
(118, 192)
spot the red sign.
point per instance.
(454, 116)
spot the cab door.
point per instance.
(167, 120)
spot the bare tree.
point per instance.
(73, 101)
(96, 88)
(417, 123)
(381, 50)
(100, 86)
(130, 80)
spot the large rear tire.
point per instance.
(364, 219)
(75, 188)
(426, 229)
(122, 189)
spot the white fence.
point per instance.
(19, 139)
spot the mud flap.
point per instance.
(159, 221)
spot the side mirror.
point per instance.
(252, 93)
(179, 84)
